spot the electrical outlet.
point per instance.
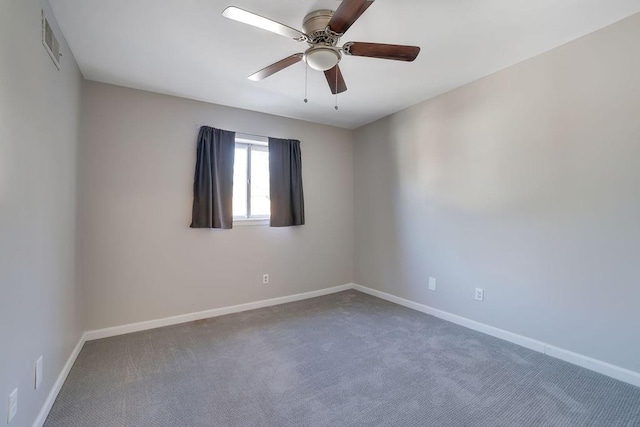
(12, 410)
(479, 294)
(38, 373)
(265, 278)
(432, 283)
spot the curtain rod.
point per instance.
(242, 134)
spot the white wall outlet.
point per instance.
(38, 374)
(479, 294)
(432, 283)
(12, 410)
(265, 278)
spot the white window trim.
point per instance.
(248, 222)
(248, 141)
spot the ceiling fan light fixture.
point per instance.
(323, 29)
(322, 58)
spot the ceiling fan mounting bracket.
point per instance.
(325, 36)
(346, 48)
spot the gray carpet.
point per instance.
(346, 359)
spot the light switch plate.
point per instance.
(38, 374)
(12, 410)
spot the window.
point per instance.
(251, 179)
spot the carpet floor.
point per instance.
(346, 359)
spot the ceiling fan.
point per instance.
(322, 31)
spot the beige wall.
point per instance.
(524, 183)
(39, 128)
(140, 260)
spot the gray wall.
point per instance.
(39, 128)
(140, 260)
(524, 183)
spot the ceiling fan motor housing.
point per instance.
(322, 53)
(316, 22)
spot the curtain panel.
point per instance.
(285, 181)
(213, 181)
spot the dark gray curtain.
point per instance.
(285, 172)
(213, 182)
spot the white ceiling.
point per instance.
(186, 48)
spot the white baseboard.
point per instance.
(605, 368)
(174, 320)
(581, 360)
(599, 366)
(190, 317)
(51, 397)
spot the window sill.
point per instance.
(245, 222)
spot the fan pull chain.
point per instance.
(306, 78)
(337, 71)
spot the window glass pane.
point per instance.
(260, 204)
(240, 182)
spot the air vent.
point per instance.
(50, 42)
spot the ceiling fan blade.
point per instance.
(348, 12)
(331, 75)
(382, 51)
(274, 68)
(251, 18)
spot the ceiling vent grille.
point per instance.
(50, 42)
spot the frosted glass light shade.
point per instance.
(322, 59)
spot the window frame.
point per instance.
(250, 143)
